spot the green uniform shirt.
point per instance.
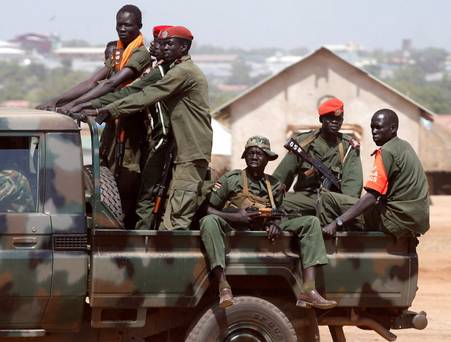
(135, 127)
(152, 77)
(407, 199)
(231, 184)
(184, 89)
(15, 192)
(139, 60)
(349, 173)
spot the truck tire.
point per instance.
(109, 195)
(249, 318)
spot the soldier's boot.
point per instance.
(313, 299)
(225, 297)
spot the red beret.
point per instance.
(158, 29)
(176, 32)
(332, 106)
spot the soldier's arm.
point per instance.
(76, 91)
(352, 175)
(286, 171)
(133, 88)
(174, 82)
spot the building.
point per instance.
(288, 101)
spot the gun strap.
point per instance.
(341, 152)
(245, 183)
(270, 195)
(309, 139)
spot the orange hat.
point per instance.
(157, 29)
(332, 106)
(176, 32)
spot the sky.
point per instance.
(282, 24)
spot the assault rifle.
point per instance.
(163, 185)
(330, 182)
(266, 215)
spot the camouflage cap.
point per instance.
(261, 142)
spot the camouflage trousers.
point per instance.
(185, 194)
(150, 177)
(312, 252)
(303, 203)
(334, 204)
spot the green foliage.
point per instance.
(35, 83)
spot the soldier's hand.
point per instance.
(330, 229)
(273, 232)
(78, 116)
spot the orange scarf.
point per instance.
(136, 43)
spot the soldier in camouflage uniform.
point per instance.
(339, 152)
(252, 188)
(184, 90)
(15, 192)
(397, 200)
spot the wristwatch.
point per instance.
(339, 222)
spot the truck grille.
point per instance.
(71, 242)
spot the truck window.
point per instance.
(19, 169)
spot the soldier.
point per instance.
(335, 150)
(397, 199)
(251, 187)
(184, 90)
(15, 192)
(130, 60)
(159, 132)
(123, 143)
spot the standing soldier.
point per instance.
(184, 90)
(397, 200)
(123, 143)
(337, 151)
(252, 188)
(158, 135)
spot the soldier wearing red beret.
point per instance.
(335, 150)
(184, 92)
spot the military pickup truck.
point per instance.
(70, 272)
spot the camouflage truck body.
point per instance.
(66, 274)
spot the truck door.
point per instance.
(25, 233)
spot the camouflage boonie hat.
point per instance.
(260, 142)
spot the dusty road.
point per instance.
(433, 296)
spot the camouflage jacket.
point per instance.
(15, 192)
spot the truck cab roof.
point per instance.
(26, 119)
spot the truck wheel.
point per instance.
(248, 319)
(111, 215)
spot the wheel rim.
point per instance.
(245, 332)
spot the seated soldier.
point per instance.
(251, 187)
(397, 200)
(15, 192)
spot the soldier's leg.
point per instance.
(128, 184)
(213, 231)
(151, 175)
(312, 254)
(333, 204)
(300, 203)
(183, 196)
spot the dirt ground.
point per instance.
(434, 253)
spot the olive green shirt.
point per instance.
(139, 60)
(152, 77)
(407, 198)
(184, 89)
(231, 184)
(349, 173)
(135, 127)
